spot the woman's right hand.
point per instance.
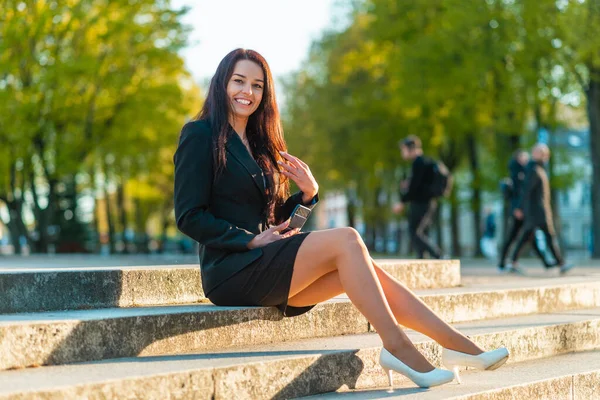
(271, 235)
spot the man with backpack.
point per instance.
(429, 180)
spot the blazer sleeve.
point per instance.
(193, 183)
(285, 210)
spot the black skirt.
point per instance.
(266, 281)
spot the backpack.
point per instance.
(441, 183)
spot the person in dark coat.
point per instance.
(536, 210)
(516, 167)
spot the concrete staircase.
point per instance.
(149, 333)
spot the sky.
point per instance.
(281, 30)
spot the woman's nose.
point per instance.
(247, 89)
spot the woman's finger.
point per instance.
(300, 181)
(281, 226)
(287, 167)
(293, 160)
(290, 233)
(305, 165)
(290, 175)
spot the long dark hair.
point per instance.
(264, 131)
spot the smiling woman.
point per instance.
(241, 97)
(245, 88)
(232, 172)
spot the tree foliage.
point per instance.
(474, 80)
(90, 91)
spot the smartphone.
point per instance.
(298, 218)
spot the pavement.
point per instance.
(471, 268)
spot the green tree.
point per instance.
(91, 78)
(468, 78)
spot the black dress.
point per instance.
(266, 281)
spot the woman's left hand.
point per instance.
(299, 172)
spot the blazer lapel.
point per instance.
(236, 148)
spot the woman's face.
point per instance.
(245, 88)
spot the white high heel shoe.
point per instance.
(488, 360)
(435, 377)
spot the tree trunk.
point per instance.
(13, 229)
(16, 226)
(122, 213)
(141, 236)
(593, 101)
(439, 227)
(555, 198)
(451, 157)
(476, 196)
(399, 242)
(163, 232)
(14, 203)
(455, 229)
(351, 207)
(44, 216)
(95, 221)
(109, 220)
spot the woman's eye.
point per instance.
(258, 86)
(238, 81)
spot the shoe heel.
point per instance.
(456, 374)
(390, 377)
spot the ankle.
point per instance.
(411, 357)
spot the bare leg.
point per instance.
(407, 308)
(411, 312)
(343, 251)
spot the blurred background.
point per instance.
(93, 94)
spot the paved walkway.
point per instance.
(470, 267)
(93, 260)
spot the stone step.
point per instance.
(51, 289)
(565, 377)
(53, 338)
(293, 369)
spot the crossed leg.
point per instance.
(335, 261)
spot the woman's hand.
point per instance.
(299, 172)
(271, 235)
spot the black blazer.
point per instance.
(225, 215)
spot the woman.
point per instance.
(232, 173)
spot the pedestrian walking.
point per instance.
(421, 190)
(513, 190)
(536, 211)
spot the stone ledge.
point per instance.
(77, 336)
(301, 368)
(89, 288)
(565, 377)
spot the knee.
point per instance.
(350, 239)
